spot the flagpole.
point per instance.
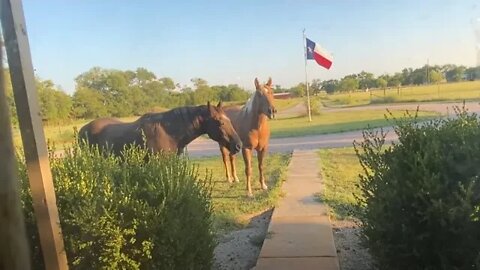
(306, 78)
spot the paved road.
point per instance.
(203, 147)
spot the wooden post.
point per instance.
(36, 155)
(14, 247)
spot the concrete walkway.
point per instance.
(300, 235)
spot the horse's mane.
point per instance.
(185, 113)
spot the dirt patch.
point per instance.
(351, 254)
(239, 250)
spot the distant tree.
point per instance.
(202, 93)
(167, 83)
(330, 86)
(381, 83)
(88, 103)
(366, 80)
(278, 89)
(395, 80)
(143, 76)
(55, 105)
(472, 73)
(316, 86)
(455, 74)
(435, 76)
(348, 84)
(299, 90)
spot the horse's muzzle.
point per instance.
(235, 147)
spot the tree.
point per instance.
(330, 86)
(435, 76)
(472, 73)
(167, 83)
(203, 93)
(88, 103)
(395, 80)
(316, 86)
(298, 90)
(381, 83)
(143, 76)
(455, 74)
(348, 84)
(54, 104)
(366, 80)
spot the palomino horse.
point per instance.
(250, 122)
(166, 131)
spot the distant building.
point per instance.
(282, 95)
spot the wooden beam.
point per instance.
(35, 149)
(14, 250)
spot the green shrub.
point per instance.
(129, 214)
(315, 105)
(420, 197)
(383, 100)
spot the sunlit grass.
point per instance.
(439, 92)
(340, 170)
(283, 104)
(332, 122)
(232, 207)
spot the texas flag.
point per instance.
(314, 51)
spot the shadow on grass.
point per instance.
(338, 209)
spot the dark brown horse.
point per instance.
(166, 131)
(251, 124)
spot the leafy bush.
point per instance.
(383, 100)
(315, 105)
(421, 196)
(129, 214)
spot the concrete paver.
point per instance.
(309, 263)
(299, 234)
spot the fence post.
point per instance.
(14, 247)
(33, 138)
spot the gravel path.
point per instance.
(351, 254)
(239, 250)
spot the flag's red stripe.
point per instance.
(322, 61)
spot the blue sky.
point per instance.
(235, 41)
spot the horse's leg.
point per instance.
(261, 156)
(225, 154)
(234, 168)
(247, 158)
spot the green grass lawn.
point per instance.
(441, 92)
(232, 207)
(283, 104)
(332, 122)
(340, 169)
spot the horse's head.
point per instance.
(220, 129)
(264, 94)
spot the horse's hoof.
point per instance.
(250, 195)
(237, 180)
(264, 187)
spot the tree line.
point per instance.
(407, 77)
(103, 92)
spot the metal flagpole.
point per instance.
(306, 79)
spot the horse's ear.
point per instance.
(219, 105)
(211, 108)
(257, 85)
(269, 83)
